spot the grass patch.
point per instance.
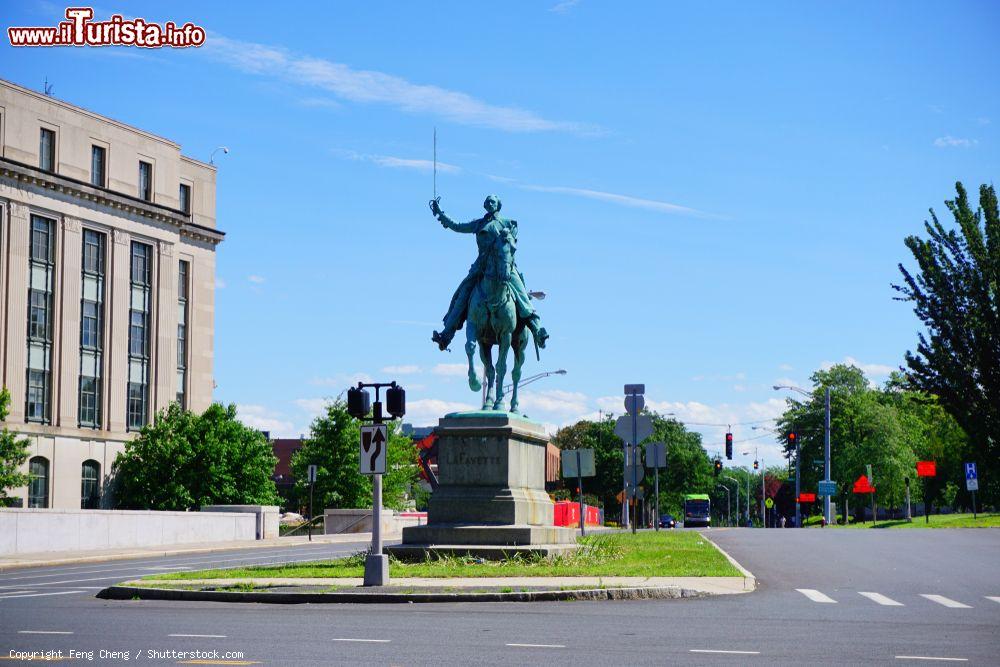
(646, 554)
(989, 520)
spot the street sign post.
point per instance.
(311, 476)
(373, 445)
(972, 484)
(579, 463)
(826, 488)
(656, 458)
(633, 428)
(807, 498)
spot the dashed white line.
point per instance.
(366, 641)
(881, 599)
(35, 595)
(44, 632)
(200, 636)
(715, 650)
(992, 597)
(930, 657)
(947, 602)
(816, 596)
(537, 645)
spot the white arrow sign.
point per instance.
(374, 443)
(643, 427)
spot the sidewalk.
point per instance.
(48, 558)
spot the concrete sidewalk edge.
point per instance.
(749, 581)
(640, 593)
(19, 561)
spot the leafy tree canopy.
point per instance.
(13, 452)
(955, 291)
(184, 460)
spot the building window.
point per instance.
(183, 289)
(47, 150)
(185, 198)
(91, 328)
(145, 181)
(38, 486)
(138, 337)
(40, 271)
(90, 485)
(98, 156)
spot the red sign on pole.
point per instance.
(861, 485)
(926, 468)
(807, 497)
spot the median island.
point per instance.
(608, 565)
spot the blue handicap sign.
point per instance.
(970, 471)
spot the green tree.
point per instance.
(333, 446)
(183, 461)
(13, 453)
(956, 294)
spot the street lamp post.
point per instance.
(729, 504)
(733, 479)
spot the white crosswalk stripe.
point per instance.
(947, 602)
(815, 595)
(881, 599)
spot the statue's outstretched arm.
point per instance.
(461, 227)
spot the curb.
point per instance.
(5, 567)
(648, 593)
(749, 581)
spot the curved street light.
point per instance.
(826, 447)
(539, 376)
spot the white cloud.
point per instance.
(394, 162)
(342, 380)
(614, 198)
(949, 141)
(320, 103)
(256, 280)
(313, 406)
(450, 370)
(220, 283)
(427, 411)
(406, 369)
(263, 419)
(372, 87)
(564, 6)
(873, 370)
(983, 120)
(786, 367)
(553, 402)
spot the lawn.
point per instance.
(990, 520)
(646, 554)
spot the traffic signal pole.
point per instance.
(798, 487)
(826, 457)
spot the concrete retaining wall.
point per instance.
(360, 521)
(267, 517)
(39, 530)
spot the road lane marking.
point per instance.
(947, 602)
(816, 596)
(930, 657)
(366, 641)
(200, 636)
(537, 645)
(44, 632)
(881, 599)
(14, 592)
(715, 650)
(218, 662)
(35, 595)
(992, 597)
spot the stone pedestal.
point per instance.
(491, 500)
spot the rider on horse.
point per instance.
(458, 309)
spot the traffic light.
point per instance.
(718, 467)
(793, 438)
(729, 446)
(358, 402)
(755, 465)
(395, 401)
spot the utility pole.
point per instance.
(763, 509)
(737, 496)
(798, 482)
(826, 457)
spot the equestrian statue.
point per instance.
(493, 304)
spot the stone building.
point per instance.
(107, 272)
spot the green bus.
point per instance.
(697, 510)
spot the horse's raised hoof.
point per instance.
(442, 339)
(541, 337)
(474, 383)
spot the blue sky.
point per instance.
(714, 198)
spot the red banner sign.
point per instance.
(926, 468)
(807, 497)
(861, 485)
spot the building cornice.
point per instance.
(27, 174)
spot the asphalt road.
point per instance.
(778, 624)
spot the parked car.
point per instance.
(668, 521)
